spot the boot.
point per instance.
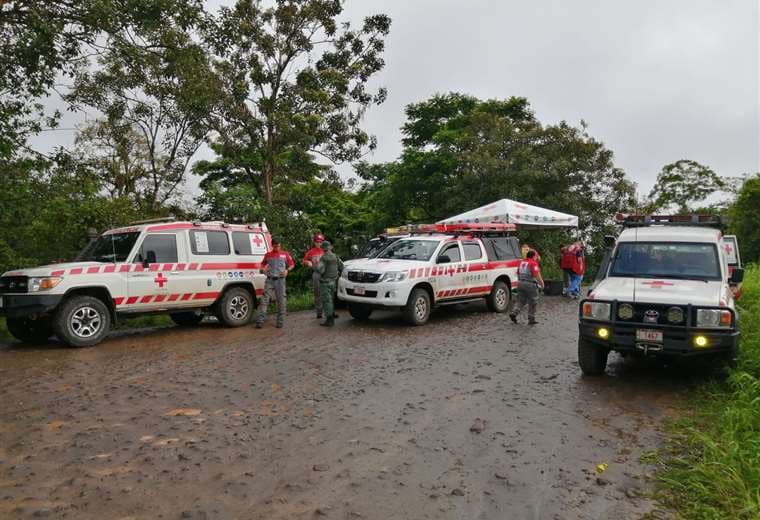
(513, 317)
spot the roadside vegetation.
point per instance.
(711, 466)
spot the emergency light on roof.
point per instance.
(627, 220)
(451, 228)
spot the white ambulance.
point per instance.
(186, 269)
(437, 264)
(668, 288)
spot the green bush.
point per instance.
(712, 469)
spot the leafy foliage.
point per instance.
(682, 184)
(745, 213)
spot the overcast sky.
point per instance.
(656, 81)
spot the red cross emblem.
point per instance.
(160, 280)
(257, 240)
(657, 284)
(729, 249)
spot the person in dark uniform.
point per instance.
(276, 265)
(330, 267)
(529, 276)
(311, 260)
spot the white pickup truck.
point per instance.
(436, 265)
(667, 289)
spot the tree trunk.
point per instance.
(268, 179)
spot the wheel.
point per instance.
(82, 321)
(30, 330)
(236, 307)
(186, 319)
(498, 300)
(591, 358)
(359, 311)
(417, 309)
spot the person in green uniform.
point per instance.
(330, 267)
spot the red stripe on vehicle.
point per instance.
(259, 292)
(124, 268)
(57, 273)
(76, 270)
(515, 283)
(131, 300)
(192, 267)
(180, 267)
(109, 269)
(205, 296)
(146, 299)
(186, 296)
(228, 227)
(93, 270)
(138, 268)
(154, 267)
(474, 290)
(160, 298)
(118, 300)
(167, 267)
(173, 297)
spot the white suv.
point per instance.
(424, 270)
(666, 289)
(184, 268)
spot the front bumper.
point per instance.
(19, 305)
(375, 294)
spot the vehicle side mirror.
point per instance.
(443, 259)
(150, 258)
(737, 276)
(609, 241)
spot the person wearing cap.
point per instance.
(311, 260)
(276, 265)
(329, 268)
(529, 282)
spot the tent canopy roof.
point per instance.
(512, 212)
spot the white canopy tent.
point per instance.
(508, 211)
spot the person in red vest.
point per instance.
(578, 269)
(276, 265)
(566, 264)
(311, 260)
(530, 281)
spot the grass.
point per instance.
(710, 468)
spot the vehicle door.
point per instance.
(449, 271)
(155, 277)
(212, 265)
(476, 279)
(732, 258)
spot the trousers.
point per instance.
(274, 288)
(527, 294)
(575, 284)
(315, 283)
(327, 290)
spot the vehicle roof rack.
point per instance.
(451, 229)
(627, 220)
(153, 221)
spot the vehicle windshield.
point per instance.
(374, 247)
(420, 250)
(679, 260)
(109, 248)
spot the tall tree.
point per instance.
(745, 214)
(682, 184)
(293, 87)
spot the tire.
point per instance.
(418, 307)
(591, 358)
(28, 330)
(498, 300)
(186, 319)
(359, 311)
(236, 307)
(82, 321)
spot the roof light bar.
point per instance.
(451, 228)
(628, 220)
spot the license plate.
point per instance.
(359, 290)
(649, 335)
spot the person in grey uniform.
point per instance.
(329, 268)
(529, 281)
(276, 265)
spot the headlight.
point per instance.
(675, 315)
(393, 276)
(596, 310)
(713, 318)
(625, 311)
(43, 284)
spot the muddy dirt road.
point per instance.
(470, 417)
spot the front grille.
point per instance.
(367, 294)
(363, 277)
(640, 311)
(14, 284)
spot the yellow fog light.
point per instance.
(603, 333)
(700, 341)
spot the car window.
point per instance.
(410, 249)
(691, 261)
(163, 246)
(249, 243)
(114, 247)
(452, 252)
(209, 242)
(472, 251)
